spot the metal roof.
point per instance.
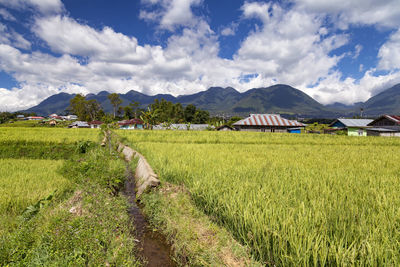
(382, 130)
(394, 118)
(79, 124)
(267, 120)
(354, 122)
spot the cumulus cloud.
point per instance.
(170, 13)
(389, 53)
(349, 90)
(291, 45)
(385, 13)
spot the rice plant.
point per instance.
(293, 199)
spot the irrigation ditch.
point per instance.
(153, 248)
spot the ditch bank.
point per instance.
(186, 232)
(153, 248)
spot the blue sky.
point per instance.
(335, 51)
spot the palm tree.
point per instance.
(149, 117)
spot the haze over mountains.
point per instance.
(281, 99)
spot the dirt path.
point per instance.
(153, 247)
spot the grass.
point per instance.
(85, 223)
(292, 199)
(196, 240)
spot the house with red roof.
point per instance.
(95, 124)
(131, 124)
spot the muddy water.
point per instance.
(153, 248)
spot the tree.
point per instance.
(189, 112)
(128, 112)
(78, 107)
(201, 116)
(85, 109)
(135, 106)
(93, 109)
(149, 117)
(115, 101)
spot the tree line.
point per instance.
(160, 111)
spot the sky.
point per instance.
(335, 51)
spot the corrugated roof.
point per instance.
(267, 120)
(355, 122)
(394, 118)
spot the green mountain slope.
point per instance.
(386, 102)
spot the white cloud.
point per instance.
(171, 13)
(389, 53)
(6, 15)
(11, 37)
(229, 30)
(43, 6)
(292, 46)
(357, 51)
(385, 13)
(349, 91)
(289, 46)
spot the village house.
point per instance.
(79, 124)
(386, 125)
(353, 127)
(267, 123)
(131, 124)
(95, 124)
(35, 118)
(20, 117)
(182, 127)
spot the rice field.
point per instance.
(23, 182)
(293, 199)
(58, 135)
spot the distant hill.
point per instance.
(386, 102)
(282, 99)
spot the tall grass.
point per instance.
(294, 199)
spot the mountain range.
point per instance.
(281, 99)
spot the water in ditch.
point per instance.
(153, 247)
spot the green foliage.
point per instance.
(97, 167)
(32, 210)
(83, 146)
(85, 109)
(115, 101)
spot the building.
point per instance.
(34, 118)
(131, 124)
(386, 125)
(266, 123)
(20, 117)
(95, 124)
(353, 127)
(182, 126)
(294, 130)
(71, 117)
(79, 124)
(224, 128)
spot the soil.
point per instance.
(154, 250)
